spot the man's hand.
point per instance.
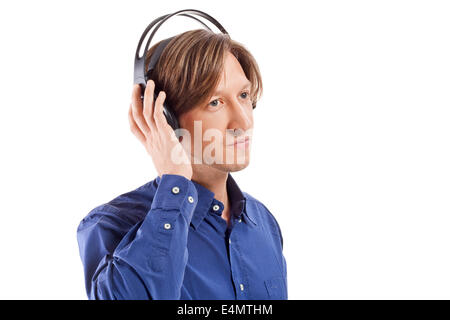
(150, 126)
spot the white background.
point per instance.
(351, 149)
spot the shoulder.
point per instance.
(261, 206)
(121, 212)
(264, 214)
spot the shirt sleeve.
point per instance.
(150, 260)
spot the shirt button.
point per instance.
(175, 190)
(191, 200)
(167, 226)
(216, 207)
(240, 220)
(229, 241)
(242, 287)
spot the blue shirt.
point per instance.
(167, 240)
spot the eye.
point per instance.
(214, 103)
(245, 95)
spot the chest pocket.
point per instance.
(276, 288)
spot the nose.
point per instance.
(241, 117)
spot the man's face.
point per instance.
(225, 118)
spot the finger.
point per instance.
(158, 115)
(137, 110)
(134, 127)
(160, 118)
(148, 104)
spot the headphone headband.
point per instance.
(140, 72)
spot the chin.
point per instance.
(241, 160)
(231, 167)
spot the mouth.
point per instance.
(240, 142)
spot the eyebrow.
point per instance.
(247, 84)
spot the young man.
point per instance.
(190, 233)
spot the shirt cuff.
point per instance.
(175, 192)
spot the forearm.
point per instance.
(149, 262)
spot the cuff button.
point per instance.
(190, 199)
(175, 190)
(167, 226)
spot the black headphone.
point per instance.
(141, 76)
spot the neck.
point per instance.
(215, 181)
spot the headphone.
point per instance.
(141, 75)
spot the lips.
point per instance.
(240, 141)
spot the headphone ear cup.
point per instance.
(170, 116)
(142, 86)
(167, 111)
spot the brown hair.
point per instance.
(190, 67)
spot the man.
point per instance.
(190, 233)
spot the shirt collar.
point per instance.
(206, 201)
